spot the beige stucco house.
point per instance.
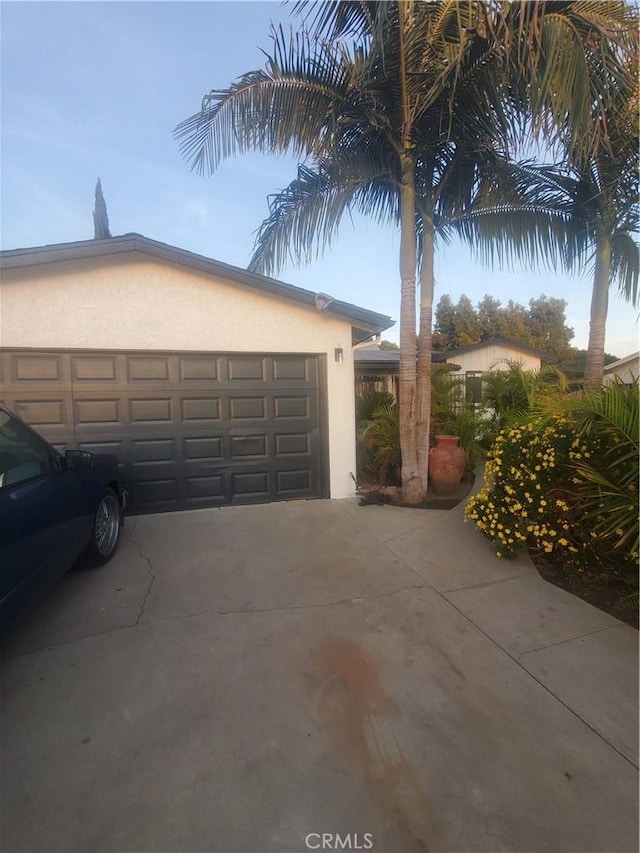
(626, 369)
(211, 384)
(498, 353)
(377, 369)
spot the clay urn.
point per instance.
(446, 465)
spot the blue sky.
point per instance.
(96, 88)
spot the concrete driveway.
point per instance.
(251, 678)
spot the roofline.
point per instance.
(388, 364)
(364, 320)
(499, 340)
(621, 361)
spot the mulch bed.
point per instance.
(371, 494)
(605, 595)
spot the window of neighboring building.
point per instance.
(473, 386)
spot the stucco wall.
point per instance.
(628, 371)
(136, 303)
(493, 357)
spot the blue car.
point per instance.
(53, 509)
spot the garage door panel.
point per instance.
(153, 450)
(206, 489)
(148, 369)
(154, 495)
(292, 443)
(253, 485)
(205, 410)
(201, 429)
(294, 481)
(241, 369)
(98, 369)
(292, 406)
(247, 408)
(101, 412)
(151, 409)
(242, 446)
(205, 448)
(290, 368)
(198, 368)
(41, 369)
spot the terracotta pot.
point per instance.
(446, 464)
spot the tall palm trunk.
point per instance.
(412, 489)
(423, 381)
(594, 367)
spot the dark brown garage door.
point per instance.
(192, 429)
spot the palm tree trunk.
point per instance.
(594, 366)
(423, 382)
(412, 489)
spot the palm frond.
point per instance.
(287, 106)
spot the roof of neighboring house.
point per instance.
(505, 342)
(621, 362)
(373, 356)
(364, 322)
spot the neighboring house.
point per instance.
(377, 369)
(211, 384)
(493, 354)
(627, 369)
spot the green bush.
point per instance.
(366, 405)
(379, 436)
(565, 483)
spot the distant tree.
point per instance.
(466, 322)
(490, 317)
(547, 326)
(100, 218)
(444, 330)
(389, 345)
(515, 322)
(541, 325)
(574, 362)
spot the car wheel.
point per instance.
(106, 529)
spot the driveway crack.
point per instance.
(351, 599)
(152, 579)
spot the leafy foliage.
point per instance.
(542, 325)
(564, 481)
(380, 435)
(511, 393)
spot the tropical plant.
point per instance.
(511, 392)
(404, 124)
(380, 435)
(607, 480)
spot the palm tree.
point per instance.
(582, 88)
(396, 94)
(417, 99)
(604, 188)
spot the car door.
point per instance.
(41, 519)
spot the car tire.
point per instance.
(106, 529)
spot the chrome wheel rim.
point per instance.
(107, 525)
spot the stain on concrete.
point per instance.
(362, 721)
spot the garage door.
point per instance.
(191, 429)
